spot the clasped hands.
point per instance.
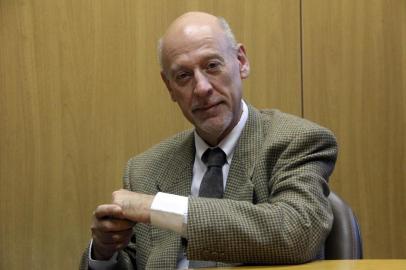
(112, 223)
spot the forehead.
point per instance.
(194, 43)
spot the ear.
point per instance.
(243, 60)
(168, 86)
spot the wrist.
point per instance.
(148, 204)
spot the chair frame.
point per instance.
(344, 241)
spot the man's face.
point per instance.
(203, 74)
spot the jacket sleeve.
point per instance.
(124, 260)
(289, 226)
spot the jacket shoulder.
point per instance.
(144, 170)
(166, 149)
(288, 126)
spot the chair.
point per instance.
(344, 241)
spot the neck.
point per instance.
(215, 139)
(212, 140)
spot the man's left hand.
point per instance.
(136, 206)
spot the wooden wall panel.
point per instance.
(354, 66)
(80, 93)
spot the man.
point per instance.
(265, 203)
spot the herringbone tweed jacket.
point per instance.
(274, 209)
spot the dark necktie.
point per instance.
(212, 182)
(211, 187)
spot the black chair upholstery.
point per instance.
(344, 241)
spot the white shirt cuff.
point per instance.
(169, 211)
(101, 265)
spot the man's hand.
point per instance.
(110, 231)
(135, 206)
(112, 223)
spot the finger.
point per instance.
(103, 251)
(107, 250)
(112, 238)
(112, 224)
(108, 211)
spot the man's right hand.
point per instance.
(110, 231)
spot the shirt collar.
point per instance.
(229, 142)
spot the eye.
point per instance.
(182, 76)
(213, 65)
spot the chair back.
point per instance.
(344, 241)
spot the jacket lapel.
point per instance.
(239, 185)
(176, 179)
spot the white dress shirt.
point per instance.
(169, 211)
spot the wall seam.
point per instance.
(301, 56)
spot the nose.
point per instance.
(203, 86)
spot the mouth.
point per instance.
(206, 108)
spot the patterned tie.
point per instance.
(212, 182)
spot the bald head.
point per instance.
(203, 69)
(194, 23)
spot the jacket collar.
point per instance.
(179, 170)
(244, 159)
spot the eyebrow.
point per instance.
(175, 67)
(214, 55)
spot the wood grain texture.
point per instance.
(354, 66)
(80, 93)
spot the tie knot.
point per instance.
(214, 157)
